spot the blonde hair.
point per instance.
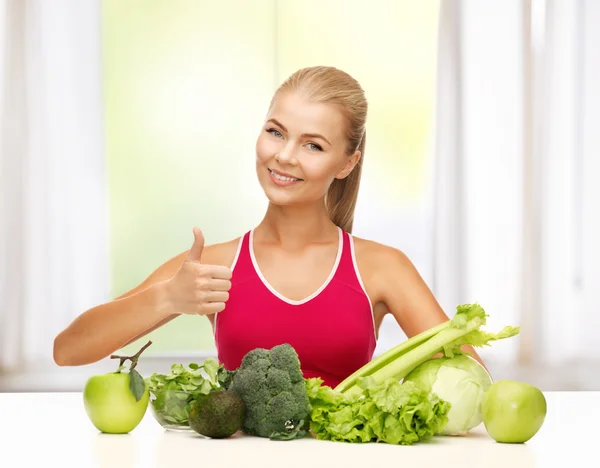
(333, 86)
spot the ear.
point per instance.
(348, 166)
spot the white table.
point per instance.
(52, 429)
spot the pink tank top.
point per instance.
(332, 330)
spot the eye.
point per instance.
(274, 132)
(315, 147)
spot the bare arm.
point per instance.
(101, 330)
(194, 282)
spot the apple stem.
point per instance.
(133, 359)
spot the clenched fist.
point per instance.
(199, 288)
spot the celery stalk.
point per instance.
(448, 337)
(460, 319)
(402, 365)
(389, 356)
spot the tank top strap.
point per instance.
(242, 269)
(348, 272)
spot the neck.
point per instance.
(296, 226)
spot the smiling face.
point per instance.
(301, 149)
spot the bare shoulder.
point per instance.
(380, 257)
(382, 267)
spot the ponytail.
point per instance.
(343, 194)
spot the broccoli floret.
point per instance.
(246, 381)
(251, 357)
(284, 357)
(276, 380)
(272, 386)
(300, 394)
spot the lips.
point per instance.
(283, 180)
(284, 175)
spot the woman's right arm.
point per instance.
(182, 285)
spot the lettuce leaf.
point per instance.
(388, 412)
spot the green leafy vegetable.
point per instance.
(174, 394)
(274, 390)
(388, 412)
(291, 430)
(459, 380)
(447, 338)
(225, 377)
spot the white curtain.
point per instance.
(53, 216)
(516, 176)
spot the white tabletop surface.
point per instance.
(52, 429)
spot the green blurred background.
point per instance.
(186, 86)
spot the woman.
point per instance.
(299, 276)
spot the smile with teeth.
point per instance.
(283, 178)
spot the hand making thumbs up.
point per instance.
(198, 288)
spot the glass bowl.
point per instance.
(171, 408)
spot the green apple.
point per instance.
(513, 412)
(117, 402)
(111, 405)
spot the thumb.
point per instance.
(195, 252)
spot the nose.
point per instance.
(286, 155)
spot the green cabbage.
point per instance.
(462, 382)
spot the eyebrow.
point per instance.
(310, 135)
